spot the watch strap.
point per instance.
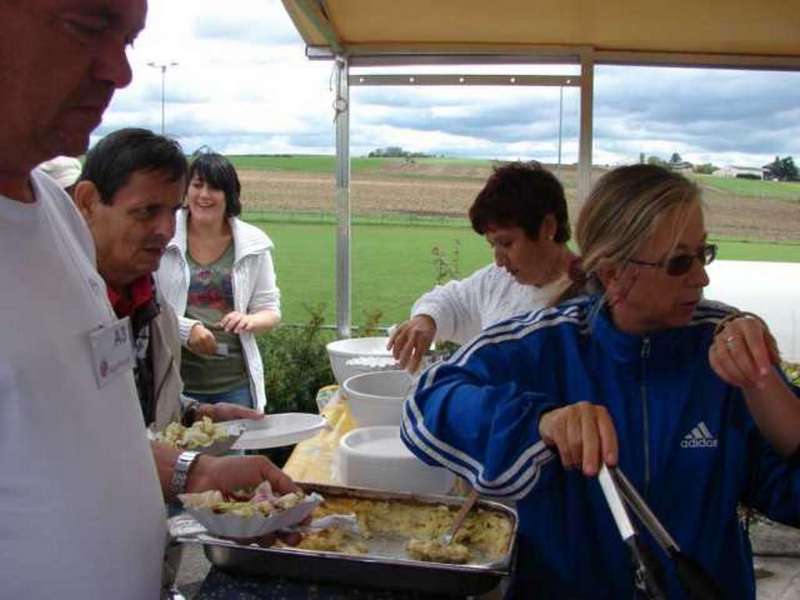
(180, 472)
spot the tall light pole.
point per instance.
(560, 120)
(163, 66)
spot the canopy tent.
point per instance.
(712, 33)
(733, 31)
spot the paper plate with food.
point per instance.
(204, 436)
(253, 515)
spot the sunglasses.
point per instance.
(680, 264)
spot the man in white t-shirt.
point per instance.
(522, 213)
(81, 509)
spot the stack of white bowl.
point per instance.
(359, 355)
(373, 455)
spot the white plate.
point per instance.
(283, 429)
(375, 457)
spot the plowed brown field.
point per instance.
(446, 190)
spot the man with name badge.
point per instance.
(81, 509)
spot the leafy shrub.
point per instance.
(447, 266)
(296, 364)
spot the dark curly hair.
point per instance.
(521, 194)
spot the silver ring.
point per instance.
(730, 341)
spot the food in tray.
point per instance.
(249, 515)
(438, 551)
(334, 539)
(201, 434)
(485, 533)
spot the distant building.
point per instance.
(681, 167)
(743, 172)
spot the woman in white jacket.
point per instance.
(522, 213)
(218, 276)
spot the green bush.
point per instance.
(296, 364)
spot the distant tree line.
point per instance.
(676, 162)
(397, 152)
(782, 169)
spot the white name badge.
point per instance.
(222, 349)
(112, 350)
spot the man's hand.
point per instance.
(584, 435)
(226, 411)
(236, 322)
(201, 340)
(230, 474)
(411, 340)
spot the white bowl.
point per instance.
(376, 398)
(342, 352)
(375, 457)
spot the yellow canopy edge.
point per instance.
(723, 27)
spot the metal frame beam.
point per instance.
(418, 79)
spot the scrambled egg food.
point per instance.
(334, 540)
(437, 551)
(483, 532)
(200, 435)
(262, 502)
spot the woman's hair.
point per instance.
(521, 195)
(624, 209)
(219, 173)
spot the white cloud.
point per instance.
(243, 84)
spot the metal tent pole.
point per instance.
(585, 143)
(343, 280)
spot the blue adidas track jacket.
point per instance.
(687, 442)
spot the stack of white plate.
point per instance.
(375, 457)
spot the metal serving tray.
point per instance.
(385, 565)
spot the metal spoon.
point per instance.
(448, 537)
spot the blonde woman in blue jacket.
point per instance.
(217, 274)
(683, 393)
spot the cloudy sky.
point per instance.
(242, 84)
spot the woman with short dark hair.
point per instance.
(218, 275)
(522, 212)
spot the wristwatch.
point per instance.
(180, 472)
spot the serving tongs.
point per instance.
(694, 579)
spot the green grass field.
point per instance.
(392, 261)
(752, 188)
(393, 264)
(320, 163)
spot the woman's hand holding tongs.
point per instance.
(584, 435)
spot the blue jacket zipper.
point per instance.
(645, 416)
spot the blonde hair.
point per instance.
(623, 210)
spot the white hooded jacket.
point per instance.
(254, 287)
